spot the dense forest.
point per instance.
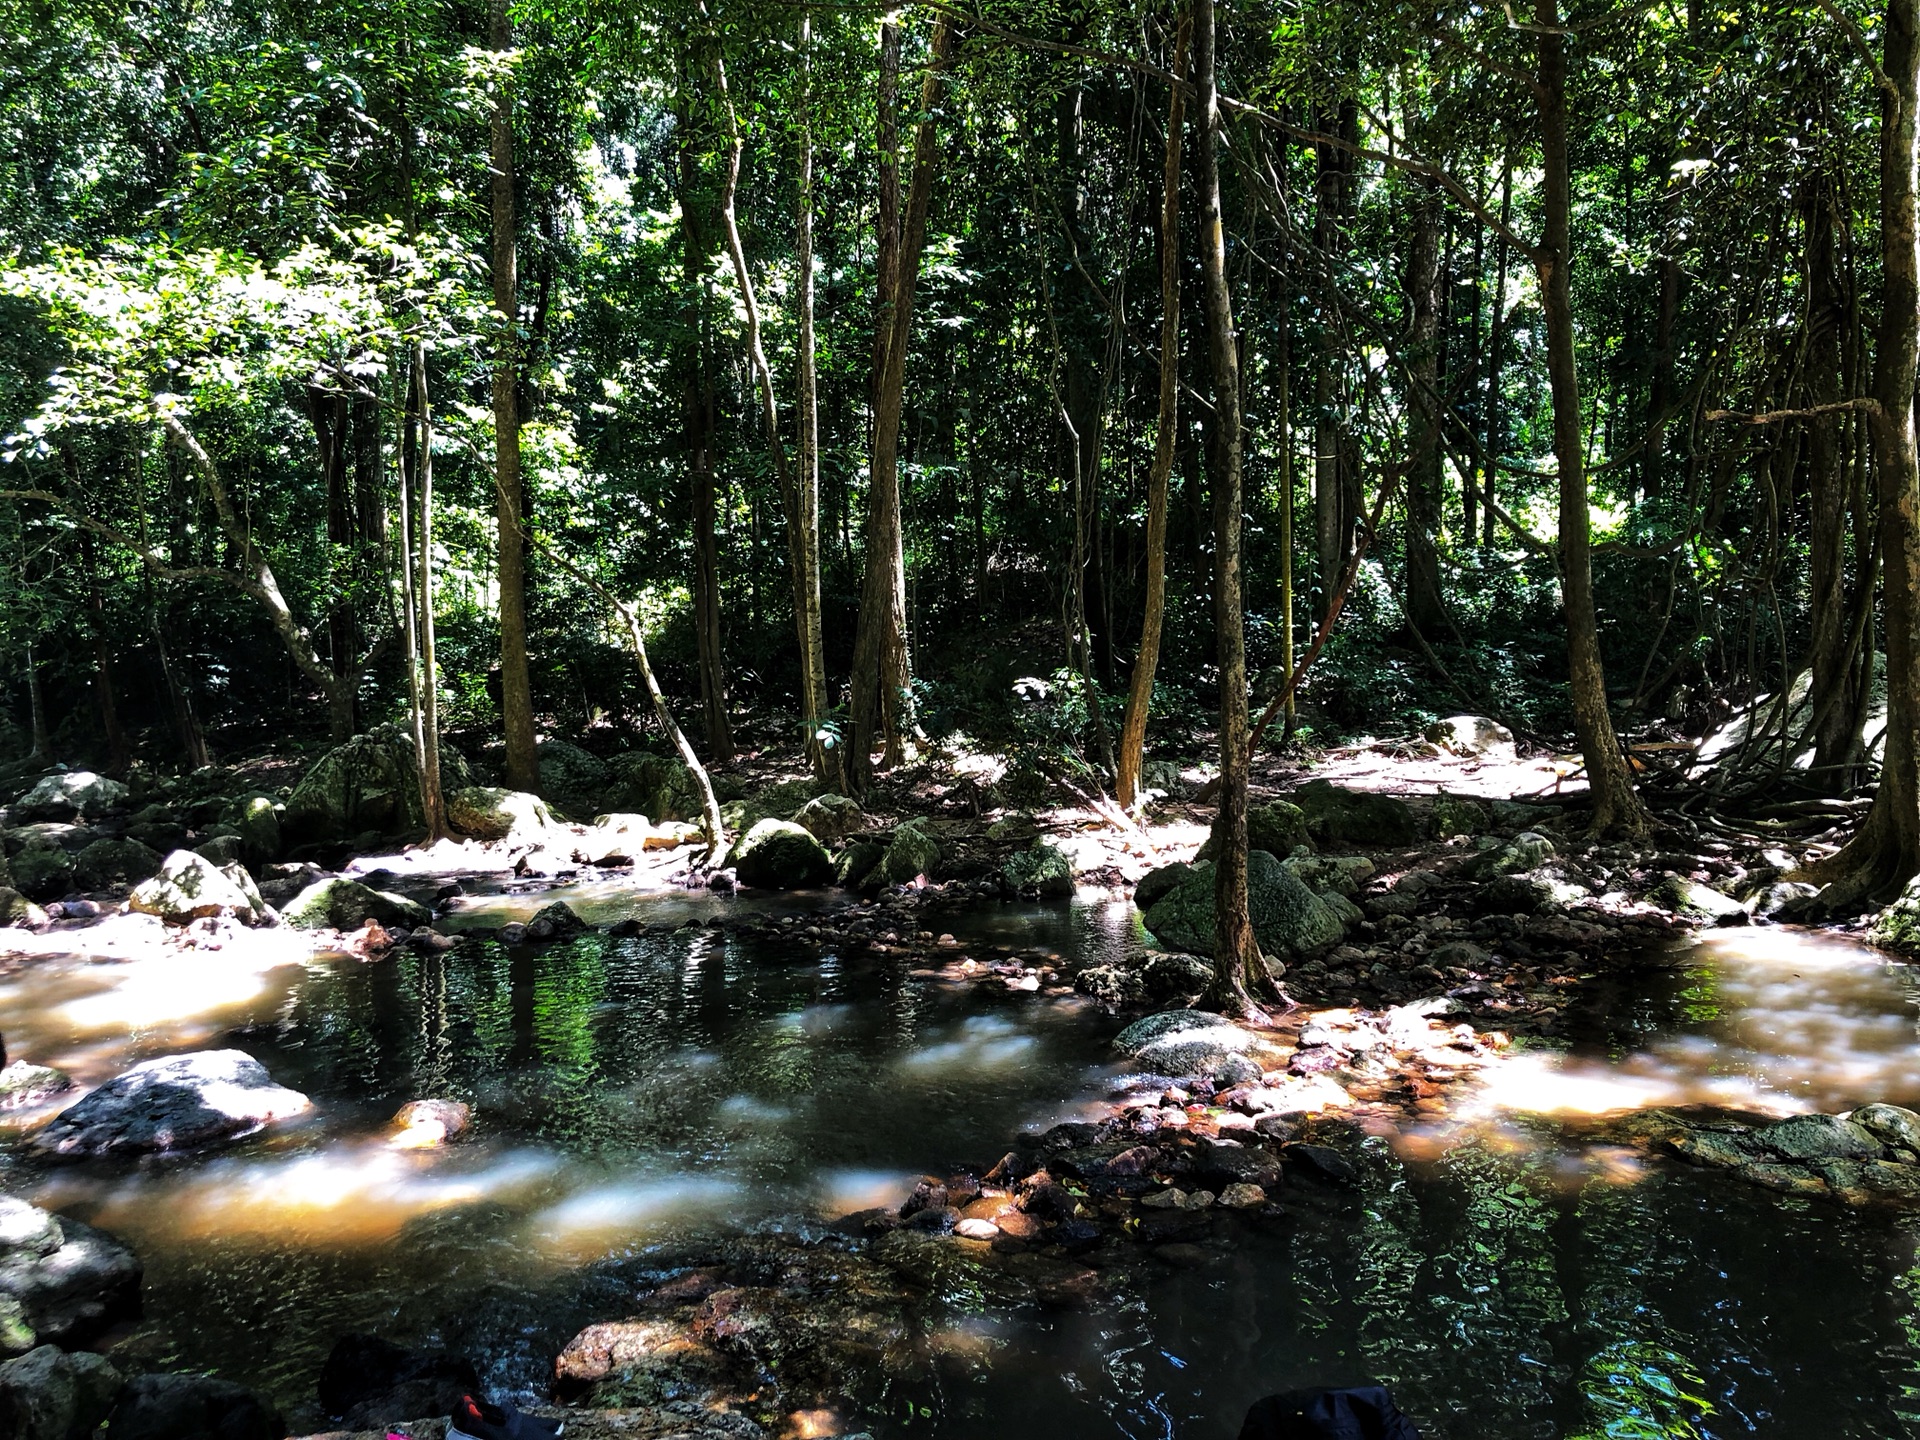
(1421, 501)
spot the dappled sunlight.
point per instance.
(605, 1217)
(982, 1044)
(847, 1192)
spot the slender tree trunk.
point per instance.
(1615, 806)
(1237, 961)
(406, 465)
(1425, 607)
(1885, 854)
(430, 792)
(328, 413)
(516, 688)
(42, 752)
(814, 704)
(881, 697)
(1496, 438)
(1133, 728)
(119, 756)
(1329, 527)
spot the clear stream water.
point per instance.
(1505, 1281)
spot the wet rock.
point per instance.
(181, 1102)
(1784, 900)
(1289, 919)
(280, 883)
(780, 855)
(368, 1381)
(60, 1280)
(1222, 1164)
(487, 812)
(1473, 737)
(72, 795)
(557, 921)
(1892, 1125)
(113, 862)
(1353, 819)
(23, 1083)
(830, 818)
(371, 783)
(423, 1124)
(190, 887)
(1184, 1042)
(1243, 1197)
(1323, 1161)
(911, 852)
(1690, 898)
(1819, 1137)
(1330, 874)
(1162, 977)
(976, 1228)
(18, 912)
(48, 1394)
(337, 903)
(1042, 869)
(43, 874)
(192, 1407)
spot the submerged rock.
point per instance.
(1865, 1157)
(370, 1382)
(189, 886)
(780, 855)
(72, 795)
(557, 921)
(181, 1102)
(23, 1084)
(423, 1124)
(338, 903)
(60, 1280)
(48, 1394)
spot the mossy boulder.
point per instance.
(1288, 919)
(853, 864)
(911, 851)
(1700, 902)
(574, 779)
(1156, 884)
(780, 855)
(557, 921)
(255, 819)
(830, 818)
(1528, 850)
(114, 862)
(69, 795)
(487, 812)
(223, 849)
(43, 874)
(656, 785)
(1278, 828)
(338, 903)
(188, 886)
(1041, 869)
(1354, 819)
(1457, 815)
(1473, 737)
(18, 912)
(369, 784)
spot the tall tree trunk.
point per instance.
(516, 689)
(1133, 728)
(1615, 806)
(119, 756)
(1237, 962)
(42, 752)
(1496, 437)
(881, 698)
(806, 521)
(1885, 854)
(329, 413)
(697, 417)
(406, 466)
(1330, 523)
(430, 791)
(1425, 607)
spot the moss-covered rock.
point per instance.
(1156, 884)
(255, 819)
(574, 779)
(557, 921)
(1458, 815)
(189, 886)
(1699, 902)
(1898, 926)
(371, 783)
(1354, 819)
(487, 812)
(911, 851)
(338, 903)
(830, 818)
(70, 795)
(114, 862)
(223, 849)
(18, 912)
(1288, 919)
(780, 855)
(1528, 850)
(1041, 869)
(657, 785)
(1278, 828)
(857, 861)
(43, 874)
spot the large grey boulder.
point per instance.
(70, 795)
(43, 874)
(371, 783)
(255, 819)
(114, 862)
(780, 855)
(60, 1280)
(1278, 828)
(181, 1102)
(1473, 737)
(1354, 819)
(830, 818)
(487, 812)
(1289, 920)
(338, 903)
(189, 886)
(572, 778)
(1184, 1042)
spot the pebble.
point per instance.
(976, 1229)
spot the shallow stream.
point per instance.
(1504, 1281)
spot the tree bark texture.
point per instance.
(1425, 605)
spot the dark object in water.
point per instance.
(1359, 1412)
